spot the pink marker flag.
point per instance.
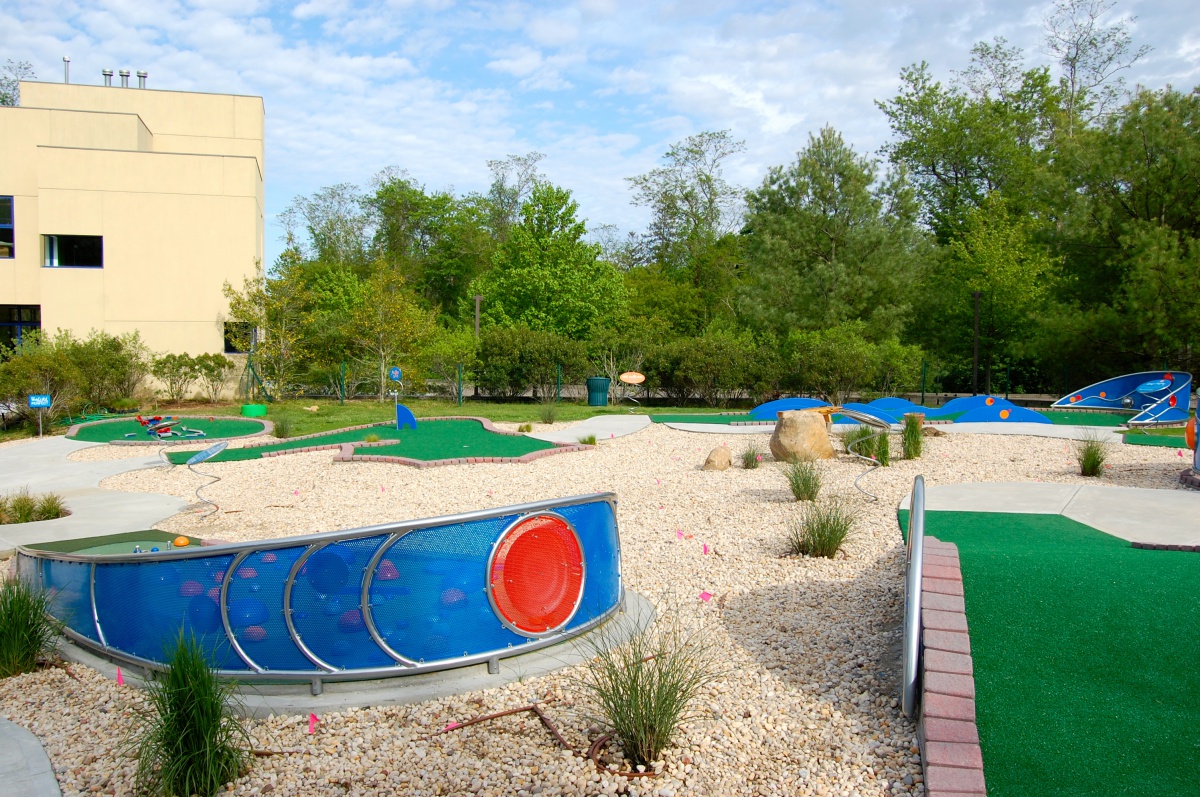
(451, 726)
(656, 481)
(295, 492)
(706, 596)
(678, 534)
(120, 678)
(706, 547)
(312, 723)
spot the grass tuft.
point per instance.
(644, 686)
(1090, 453)
(190, 744)
(25, 508)
(283, 427)
(823, 530)
(883, 449)
(752, 456)
(27, 631)
(371, 438)
(912, 437)
(590, 440)
(548, 412)
(525, 427)
(803, 479)
(860, 440)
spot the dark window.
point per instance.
(16, 321)
(8, 240)
(238, 337)
(74, 251)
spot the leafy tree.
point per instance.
(834, 362)
(39, 364)
(825, 244)
(514, 359)
(513, 182)
(338, 223)
(177, 372)
(110, 367)
(388, 327)
(446, 351)
(11, 75)
(546, 277)
(273, 311)
(213, 371)
(676, 308)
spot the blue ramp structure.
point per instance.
(1151, 397)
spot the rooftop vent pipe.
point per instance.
(66, 69)
(124, 73)
(108, 73)
(142, 75)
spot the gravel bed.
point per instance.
(807, 704)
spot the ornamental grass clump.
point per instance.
(883, 449)
(823, 529)
(590, 440)
(1090, 453)
(860, 440)
(27, 631)
(525, 427)
(548, 412)
(751, 457)
(646, 685)
(803, 479)
(25, 508)
(283, 427)
(912, 437)
(190, 743)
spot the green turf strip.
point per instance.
(1084, 418)
(430, 440)
(1165, 441)
(1085, 654)
(107, 431)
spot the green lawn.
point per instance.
(1085, 655)
(431, 440)
(107, 431)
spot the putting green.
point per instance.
(1085, 656)
(1078, 418)
(217, 428)
(432, 439)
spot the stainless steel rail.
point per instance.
(910, 695)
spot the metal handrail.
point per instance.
(882, 427)
(910, 697)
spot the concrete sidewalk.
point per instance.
(603, 426)
(1158, 517)
(25, 770)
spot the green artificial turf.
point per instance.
(430, 440)
(1164, 441)
(108, 431)
(1085, 418)
(1085, 656)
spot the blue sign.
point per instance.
(394, 374)
(39, 401)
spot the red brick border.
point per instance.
(950, 753)
(1189, 478)
(268, 428)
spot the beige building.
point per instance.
(127, 209)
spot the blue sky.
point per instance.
(601, 87)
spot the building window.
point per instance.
(8, 248)
(17, 321)
(73, 251)
(239, 337)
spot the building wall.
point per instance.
(173, 181)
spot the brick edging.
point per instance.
(951, 757)
(268, 428)
(1189, 478)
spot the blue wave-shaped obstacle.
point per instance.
(974, 409)
(381, 601)
(1155, 397)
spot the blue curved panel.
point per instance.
(768, 411)
(896, 405)
(1154, 396)
(427, 594)
(1001, 411)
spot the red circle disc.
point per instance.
(536, 577)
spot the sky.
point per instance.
(601, 87)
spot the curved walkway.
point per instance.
(604, 427)
(25, 769)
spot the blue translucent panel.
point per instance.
(69, 587)
(144, 605)
(256, 609)
(596, 524)
(326, 605)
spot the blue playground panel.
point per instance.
(974, 409)
(405, 417)
(768, 411)
(1156, 397)
(1000, 411)
(386, 600)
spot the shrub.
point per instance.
(213, 372)
(590, 440)
(548, 412)
(860, 440)
(883, 449)
(804, 480)
(645, 686)
(25, 508)
(1090, 453)
(283, 427)
(525, 427)
(822, 531)
(512, 360)
(177, 372)
(371, 438)
(751, 457)
(912, 437)
(27, 631)
(190, 744)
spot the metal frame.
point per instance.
(910, 697)
(365, 603)
(487, 577)
(287, 608)
(224, 606)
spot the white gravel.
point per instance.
(807, 706)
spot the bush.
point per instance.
(213, 372)
(823, 530)
(191, 744)
(645, 686)
(751, 457)
(177, 372)
(804, 480)
(283, 426)
(371, 438)
(912, 437)
(860, 440)
(27, 631)
(25, 508)
(515, 359)
(525, 427)
(1090, 453)
(590, 440)
(39, 364)
(548, 412)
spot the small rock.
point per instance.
(718, 459)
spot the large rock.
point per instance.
(718, 459)
(801, 434)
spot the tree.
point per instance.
(825, 245)
(39, 364)
(1090, 55)
(11, 75)
(513, 182)
(338, 223)
(213, 372)
(177, 372)
(272, 311)
(389, 326)
(546, 277)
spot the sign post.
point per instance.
(39, 402)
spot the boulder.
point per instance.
(718, 459)
(802, 435)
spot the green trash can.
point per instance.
(598, 391)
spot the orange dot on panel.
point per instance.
(1103, 394)
(989, 401)
(1004, 414)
